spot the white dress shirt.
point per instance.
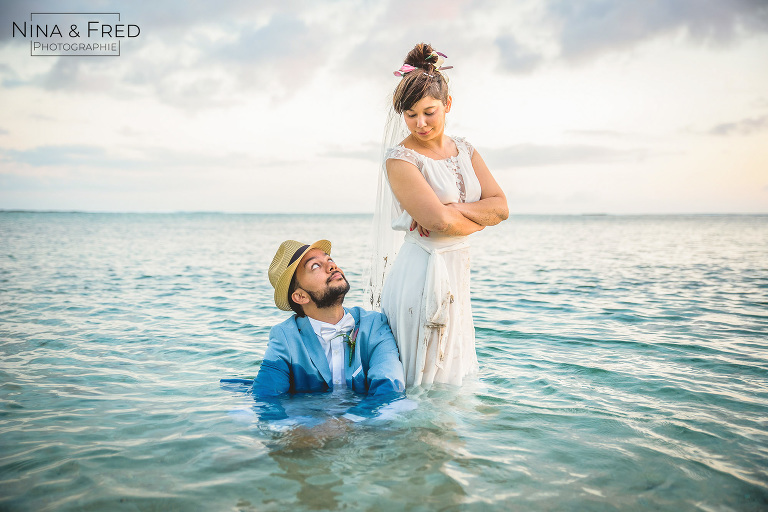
(333, 345)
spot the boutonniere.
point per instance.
(349, 339)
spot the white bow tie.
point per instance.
(345, 325)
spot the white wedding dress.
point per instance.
(426, 292)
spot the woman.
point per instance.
(443, 191)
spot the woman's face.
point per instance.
(426, 118)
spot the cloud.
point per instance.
(285, 41)
(515, 57)
(370, 152)
(386, 31)
(66, 74)
(56, 155)
(600, 134)
(590, 27)
(743, 127)
(197, 55)
(194, 55)
(78, 155)
(14, 11)
(286, 52)
(534, 155)
(164, 19)
(9, 78)
(145, 158)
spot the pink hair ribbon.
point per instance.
(405, 68)
(438, 58)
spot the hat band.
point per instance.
(298, 253)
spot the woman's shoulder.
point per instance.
(400, 152)
(463, 143)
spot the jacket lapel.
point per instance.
(351, 370)
(314, 349)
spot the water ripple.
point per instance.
(623, 367)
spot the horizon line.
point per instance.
(221, 212)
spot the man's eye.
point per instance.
(314, 266)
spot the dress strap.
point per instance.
(403, 153)
(462, 142)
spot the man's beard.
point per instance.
(331, 296)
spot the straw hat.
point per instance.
(284, 265)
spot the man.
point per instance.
(325, 347)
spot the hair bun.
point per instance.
(421, 76)
(422, 56)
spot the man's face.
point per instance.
(321, 279)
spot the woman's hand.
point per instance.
(422, 230)
(417, 198)
(456, 206)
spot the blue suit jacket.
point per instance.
(295, 362)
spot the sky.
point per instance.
(593, 106)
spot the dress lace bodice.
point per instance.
(453, 179)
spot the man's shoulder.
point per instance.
(287, 325)
(367, 316)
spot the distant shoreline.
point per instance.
(336, 214)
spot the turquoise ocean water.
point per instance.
(624, 366)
